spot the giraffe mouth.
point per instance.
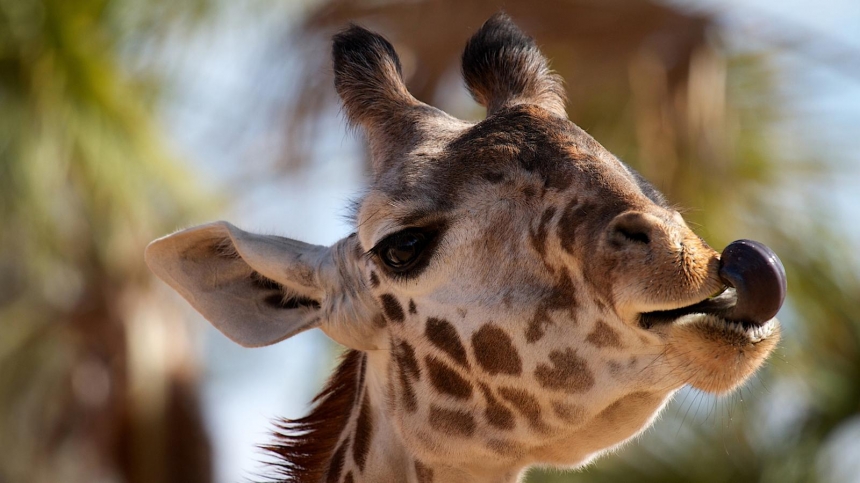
(719, 306)
(756, 286)
(714, 312)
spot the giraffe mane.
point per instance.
(304, 447)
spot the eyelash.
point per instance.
(430, 236)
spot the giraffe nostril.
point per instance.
(631, 229)
(634, 235)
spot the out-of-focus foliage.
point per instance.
(86, 180)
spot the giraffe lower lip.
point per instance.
(720, 306)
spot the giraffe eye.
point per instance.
(405, 254)
(400, 250)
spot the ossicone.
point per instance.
(369, 80)
(503, 67)
(368, 76)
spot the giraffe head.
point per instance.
(523, 296)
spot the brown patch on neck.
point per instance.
(404, 354)
(446, 380)
(537, 326)
(335, 467)
(408, 371)
(497, 414)
(306, 449)
(604, 336)
(527, 405)
(363, 433)
(452, 422)
(391, 308)
(562, 297)
(567, 372)
(495, 351)
(444, 336)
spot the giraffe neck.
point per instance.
(349, 437)
(389, 458)
(368, 448)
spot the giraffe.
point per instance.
(513, 294)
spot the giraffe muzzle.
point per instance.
(755, 288)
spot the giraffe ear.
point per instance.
(256, 289)
(503, 67)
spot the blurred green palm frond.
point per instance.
(80, 149)
(86, 180)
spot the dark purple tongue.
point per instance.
(758, 277)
